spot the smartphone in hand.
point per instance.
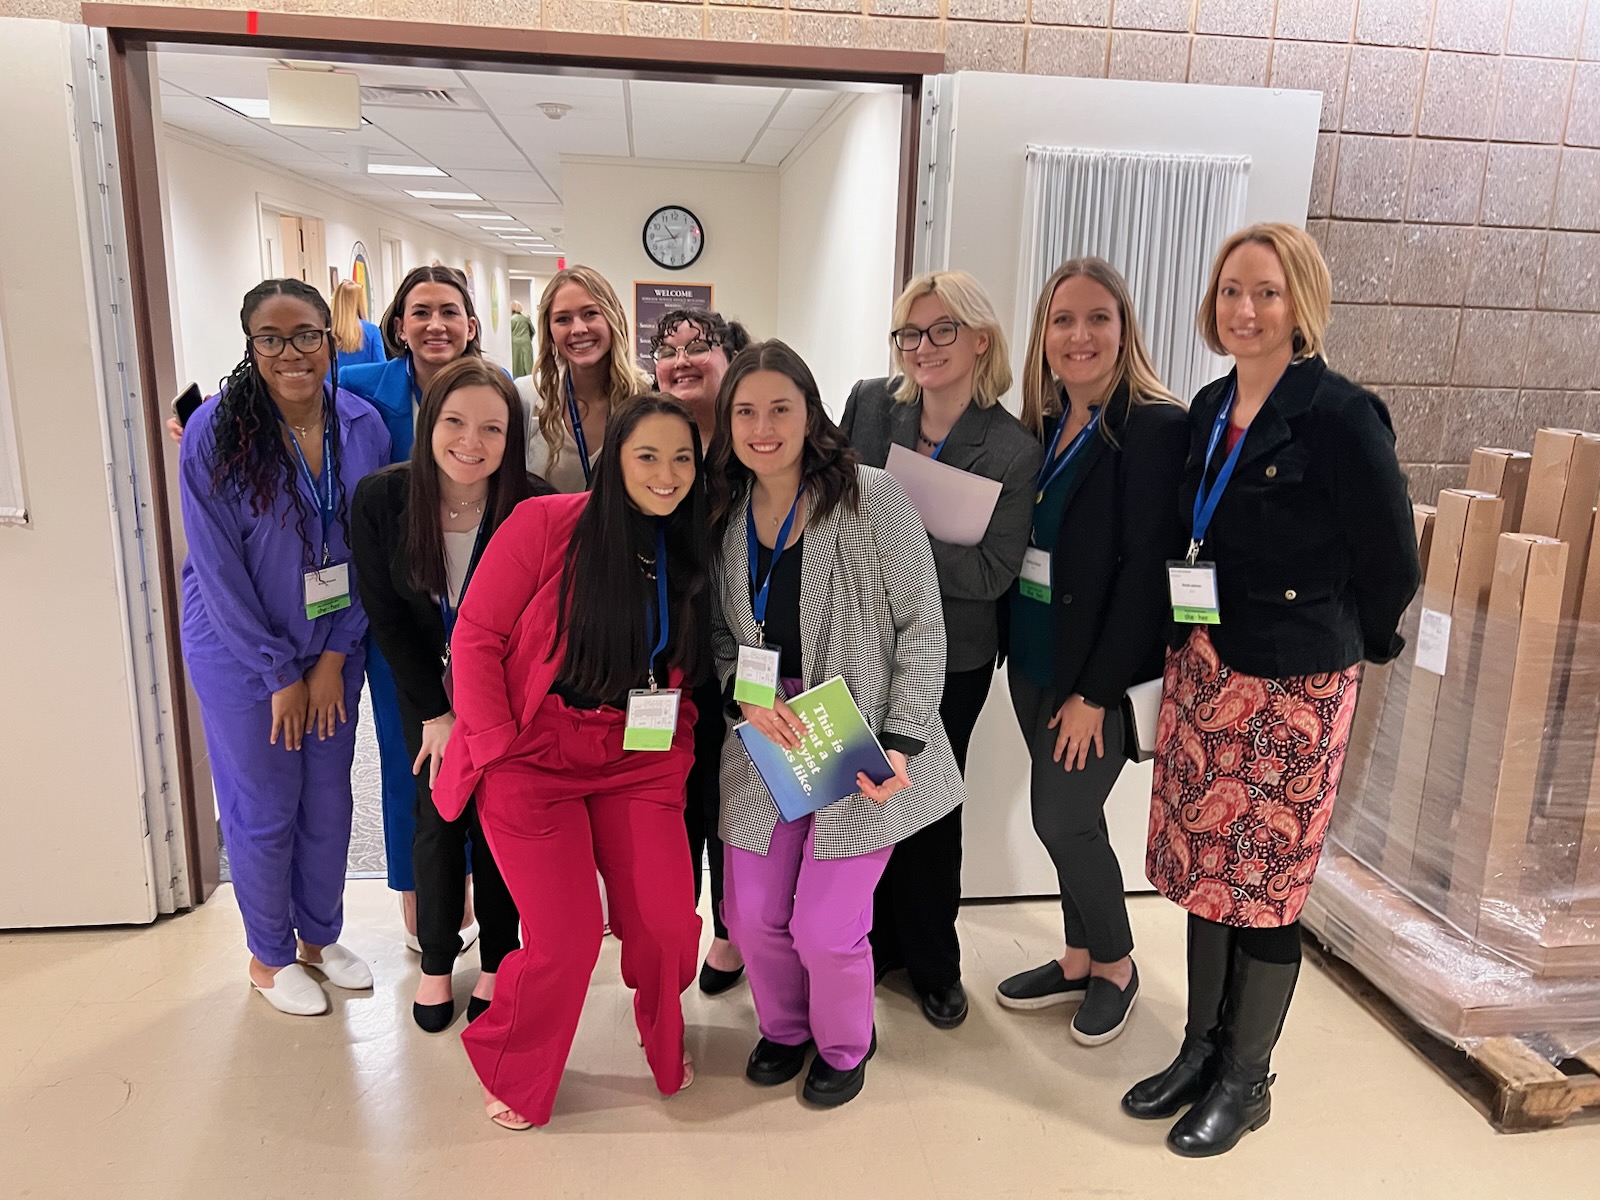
(186, 403)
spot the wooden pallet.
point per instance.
(1504, 1078)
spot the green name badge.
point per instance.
(652, 719)
(327, 590)
(755, 677)
(1194, 593)
(1034, 581)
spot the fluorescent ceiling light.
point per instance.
(546, 253)
(504, 230)
(404, 169)
(483, 215)
(425, 194)
(256, 110)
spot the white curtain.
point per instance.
(13, 510)
(1157, 218)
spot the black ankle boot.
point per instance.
(1192, 1073)
(1240, 1100)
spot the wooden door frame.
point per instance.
(133, 31)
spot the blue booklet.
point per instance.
(839, 745)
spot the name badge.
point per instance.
(1035, 580)
(1194, 593)
(652, 719)
(327, 590)
(755, 678)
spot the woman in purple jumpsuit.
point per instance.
(272, 632)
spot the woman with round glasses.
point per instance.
(273, 632)
(585, 369)
(692, 349)
(944, 403)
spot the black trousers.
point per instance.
(1070, 818)
(439, 860)
(703, 807)
(915, 906)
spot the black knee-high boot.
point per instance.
(1191, 1074)
(1240, 1100)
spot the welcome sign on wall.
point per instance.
(652, 301)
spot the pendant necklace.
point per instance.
(469, 506)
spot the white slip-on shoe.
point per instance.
(468, 936)
(343, 969)
(294, 992)
(412, 944)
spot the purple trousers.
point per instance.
(285, 815)
(802, 927)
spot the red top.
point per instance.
(503, 655)
(1233, 435)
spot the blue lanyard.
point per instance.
(326, 496)
(661, 599)
(937, 449)
(447, 614)
(759, 590)
(1205, 501)
(411, 378)
(1053, 464)
(577, 433)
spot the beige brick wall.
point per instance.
(1457, 189)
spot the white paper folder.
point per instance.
(954, 505)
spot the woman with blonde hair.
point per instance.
(584, 369)
(1301, 558)
(356, 339)
(952, 366)
(1089, 613)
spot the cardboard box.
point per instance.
(1460, 566)
(1563, 486)
(1446, 764)
(1361, 815)
(1504, 473)
(1579, 748)
(1509, 722)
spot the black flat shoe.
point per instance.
(947, 1007)
(714, 981)
(830, 1087)
(476, 1007)
(884, 968)
(772, 1063)
(434, 1018)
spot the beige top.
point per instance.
(567, 474)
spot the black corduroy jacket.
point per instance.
(1313, 538)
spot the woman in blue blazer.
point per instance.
(433, 321)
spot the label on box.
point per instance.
(1433, 641)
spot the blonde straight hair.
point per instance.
(1041, 396)
(550, 374)
(1304, 271)
(349, 308)
(965, 300)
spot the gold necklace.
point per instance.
(468, 506)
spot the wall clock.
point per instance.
(673, 237)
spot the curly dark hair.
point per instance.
(712, 326)
(251, 459)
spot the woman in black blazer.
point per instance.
(418, 530)
(1089, 613)
(1302, 558)
(945, 403)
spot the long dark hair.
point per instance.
(508, 485)
(828, 462)
(251, 459)
(390, 326)
(605, 595)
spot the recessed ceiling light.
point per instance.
(484, 214)
(544, 253)
(404, 169)
(425, 194)
(504, 230)
(256, 110)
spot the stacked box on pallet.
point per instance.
(1472, 790)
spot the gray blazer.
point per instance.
(869, 611)
(986, 441)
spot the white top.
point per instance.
(457, 559)
(567, 474)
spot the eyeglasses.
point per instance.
(694, 351)
(940, 333)
(270, 345)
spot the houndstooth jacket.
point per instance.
(870, 612)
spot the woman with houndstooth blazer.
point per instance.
(847, 586)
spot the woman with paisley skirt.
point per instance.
(1302, 560)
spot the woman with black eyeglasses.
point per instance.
(945, 404)
(273, 632)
